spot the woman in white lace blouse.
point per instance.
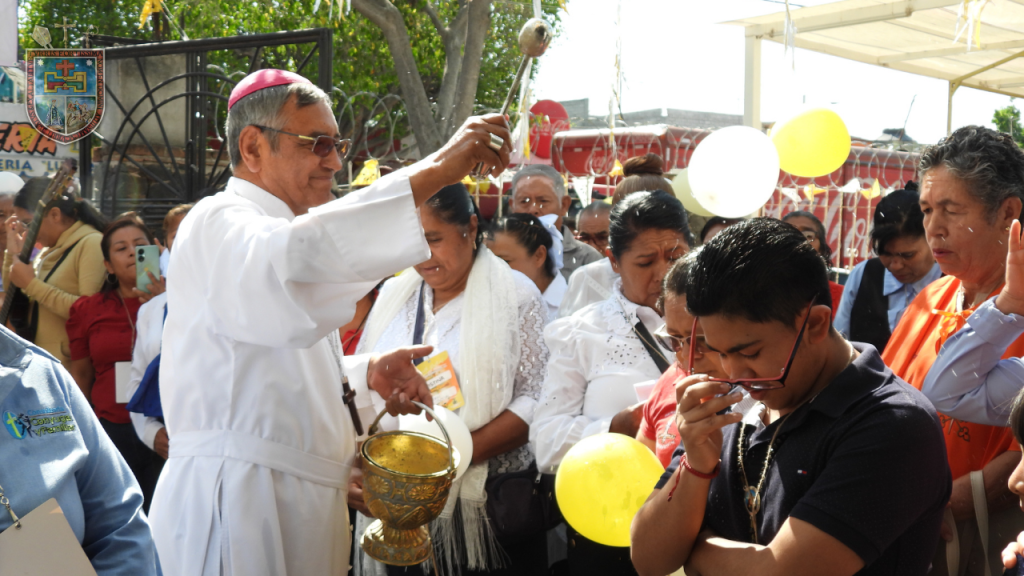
(598, 353)
(490, 320)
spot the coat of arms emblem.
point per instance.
(65, 96)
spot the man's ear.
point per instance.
(566, 203)
(250, 147)
(819, 325)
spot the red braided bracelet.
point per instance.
(698, 474)
(686, 466)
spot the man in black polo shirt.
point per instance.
(841, 469)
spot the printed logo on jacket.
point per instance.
(37, 423)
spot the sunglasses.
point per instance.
(323, 145)
(772, 383)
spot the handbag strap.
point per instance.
(981, 511)
(33, 326)
(417, 331)
(647, 340)
(61, 259)
(953, 546)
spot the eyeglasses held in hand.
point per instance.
(322, 145)
(771, 383)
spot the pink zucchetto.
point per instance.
(263, 79)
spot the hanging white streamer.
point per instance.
(316, 5)
(789, 31)
(968, 18)
(584, 189)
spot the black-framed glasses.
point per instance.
(322, 145)
(770, 383)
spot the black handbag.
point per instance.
(522, 504)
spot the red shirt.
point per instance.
(99, 329)
(659, 423)
(350, 340)
(837, 294)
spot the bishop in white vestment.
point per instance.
(251, 368)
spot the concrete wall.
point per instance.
(124, 80)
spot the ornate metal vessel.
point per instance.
(406, 479)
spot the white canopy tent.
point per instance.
(915, 36)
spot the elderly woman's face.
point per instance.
(451, 252)
(964, 240)
(643, 265)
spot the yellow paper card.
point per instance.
(444, 386)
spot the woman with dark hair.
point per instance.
(69, 266)
(972, 190)
(594, 282)
(603, 351)
(714, 225)
(642, 174)
(880, 289)
(812, 229)
(489, 320)
(102, 332)
(533, 246)
(658, 429)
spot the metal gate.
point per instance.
(165, 144)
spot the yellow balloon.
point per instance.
(811, 144)
(681, 186)
(601, 484)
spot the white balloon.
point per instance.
(10, 183)
(734, 171)
(457, 430)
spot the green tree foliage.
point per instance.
(362, 62)
(1008, 120)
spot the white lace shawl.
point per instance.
(489, 356)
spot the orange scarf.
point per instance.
(934, 316)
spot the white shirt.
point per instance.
(588, 285)
(596, 358)
(150, 330)
(553, 296)
(443, 332)
(250, 381)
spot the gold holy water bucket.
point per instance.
(406, 479)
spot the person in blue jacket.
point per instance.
(52, 446)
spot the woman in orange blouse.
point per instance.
(972, 189)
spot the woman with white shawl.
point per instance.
(490, 320)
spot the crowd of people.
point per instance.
(205, 420)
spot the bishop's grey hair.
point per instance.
(263, 108)
(541, 170)
(989, 163)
